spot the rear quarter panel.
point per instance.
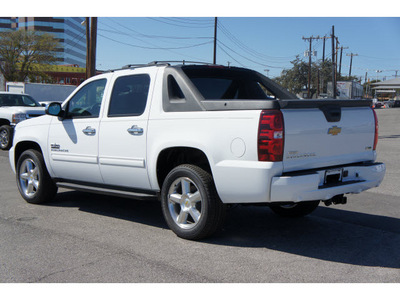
(227, 138)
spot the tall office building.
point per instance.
(69, 31)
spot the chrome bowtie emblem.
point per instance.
(334, 130)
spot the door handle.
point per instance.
(89, 131)
(135, 130)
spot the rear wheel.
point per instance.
(33, 180)
(6, 135)
(190, 203)
(294, 210)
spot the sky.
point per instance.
(266, 44)
(257, 34)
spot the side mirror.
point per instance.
(54, 109)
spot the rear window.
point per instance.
(17, 100)
(216, 84)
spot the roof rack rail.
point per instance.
(161, 63)
(183, 62)
(134, 66)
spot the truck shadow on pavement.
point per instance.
(329, 234)
(144, 212)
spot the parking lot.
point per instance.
(82, 237)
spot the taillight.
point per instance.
(270, 136)
(376, 129)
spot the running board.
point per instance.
(108, 191)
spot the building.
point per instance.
(388, 89)
(69, 31)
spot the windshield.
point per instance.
(17, 100)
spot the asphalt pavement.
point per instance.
(81, 237)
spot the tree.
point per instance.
(296, 78)
(23, 53)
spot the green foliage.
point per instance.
(296, 78)
(22, 52)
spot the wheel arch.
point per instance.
(23, 146)
(4, 122)
(172, 157)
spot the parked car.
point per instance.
(198, 137)
(14, 108)
(389, 104)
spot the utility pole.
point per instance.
(309, 63)
(333, 63)
(323, 49)
(86, 23)
(336, 58)
(91, 41)
(215, 40)
(351, 61)
(93, 46)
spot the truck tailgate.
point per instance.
(318, 137)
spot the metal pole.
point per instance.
(333, 63)
(351, 62)
(340, 63)
(309, 71)
(215, 40)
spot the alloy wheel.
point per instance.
(185, 203)
(29, 177)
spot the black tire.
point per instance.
(6, 137)
(294, 210)
(190, 203)
(34, 182)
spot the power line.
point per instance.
(249, 50)
(158, 36)
(162, 20)
(253, 61)
(155, 48)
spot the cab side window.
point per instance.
(129, 95)
(87, 101)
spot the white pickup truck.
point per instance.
(14, 108)
(198, 137)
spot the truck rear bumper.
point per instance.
(298, 187)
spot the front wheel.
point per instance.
(6, 137)
(294, 210)
(33, 180)
(190, 203)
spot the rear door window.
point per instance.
(129, 95)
